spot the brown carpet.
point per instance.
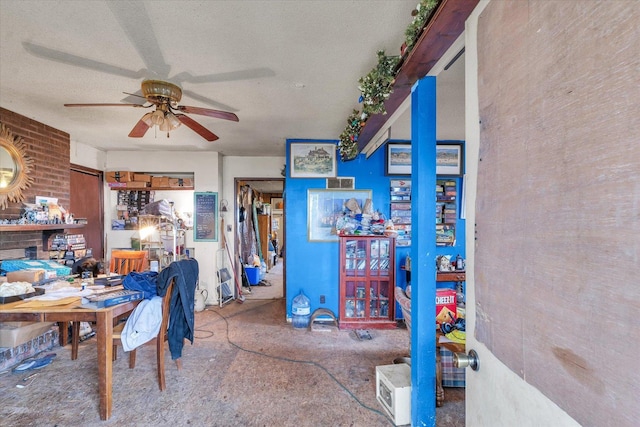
(247, 367)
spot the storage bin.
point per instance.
(253, 275)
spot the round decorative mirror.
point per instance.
(15, 168)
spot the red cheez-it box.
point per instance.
(445, 304)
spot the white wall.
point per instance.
(204, 166)
(495, 396)
(84, 155)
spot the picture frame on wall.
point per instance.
(312, 160)
(398, 159)
(449, 159)
(324, 209)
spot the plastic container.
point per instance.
(300, 311)
(253, 275)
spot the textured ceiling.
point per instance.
(288, 69)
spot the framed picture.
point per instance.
(205, 217)
(449, 159)
(324, 209)
(277, 204)
(312, 160)
(398, 159)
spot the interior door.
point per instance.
(86, 201)
(553, 196)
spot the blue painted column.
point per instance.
(423, 246)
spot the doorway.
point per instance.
(260, 234)
(86, 201)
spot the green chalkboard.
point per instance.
(205, 218)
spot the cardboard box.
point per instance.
(137, 184)
(118, 176)
(180, 182)
(30, 275)
(445, 305)
(141, 177)
(159, 181)
(13, 334)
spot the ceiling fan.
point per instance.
(167, 115)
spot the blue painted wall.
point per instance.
(313, 267)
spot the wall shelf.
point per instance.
(39, 227)
(152, 188)
(47, 229)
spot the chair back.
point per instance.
(166, 308)
(124, 262)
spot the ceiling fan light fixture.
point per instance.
(157, 117)
(147, 119)
(172, 120)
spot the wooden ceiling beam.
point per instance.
(442, 30)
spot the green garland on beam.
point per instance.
(377, 85)
(348, 144)
(420, 15)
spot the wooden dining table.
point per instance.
(71, 310)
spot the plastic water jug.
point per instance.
(300, 311)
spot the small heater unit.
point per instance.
(393, 390)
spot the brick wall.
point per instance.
(49, 149)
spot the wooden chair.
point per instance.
(123, 262)
(160, 338)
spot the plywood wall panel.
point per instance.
(558, 200)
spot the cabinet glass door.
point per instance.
(355, 258)
(379, 298)
(355, 298)
(379, 257)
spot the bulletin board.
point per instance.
(205, 218)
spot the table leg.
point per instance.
(439, 389)
(104, 337)
(63, 329)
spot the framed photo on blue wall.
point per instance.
(398, 159)
(449, 159)
(312, 160)
(326, 207)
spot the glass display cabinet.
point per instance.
(367, 281)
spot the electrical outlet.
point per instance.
(322, 299)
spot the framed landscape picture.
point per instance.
(398, 159)
(312, 160)
(449, 159)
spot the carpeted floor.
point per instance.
(247, 367)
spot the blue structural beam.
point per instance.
(423, 247)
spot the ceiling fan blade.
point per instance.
(134, 94)
(208, 112)
(210, 102)
(197, 127)
(139, 129)
(104, 105)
